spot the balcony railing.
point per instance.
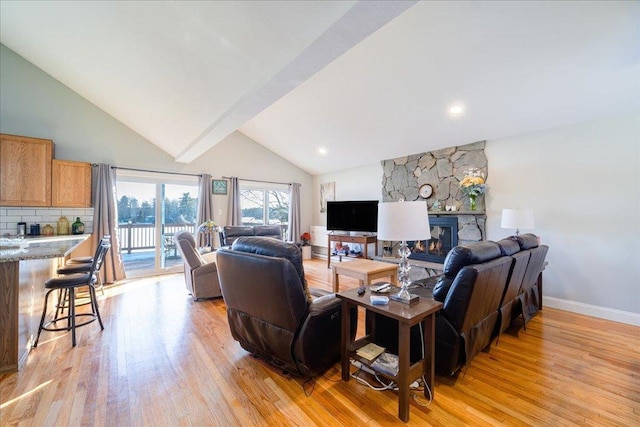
(143, 236)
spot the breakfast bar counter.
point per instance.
(24, 268)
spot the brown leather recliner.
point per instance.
(271, 314)
(200, 275)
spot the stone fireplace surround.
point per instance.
(443, 170)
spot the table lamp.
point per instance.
(402, 221)
(517, 218)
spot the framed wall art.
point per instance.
(327, 193)
(219, 186)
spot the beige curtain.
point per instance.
(234, 217)
(294, 212)
(205, 207)
(105, 221)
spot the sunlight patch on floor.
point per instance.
(23, 395)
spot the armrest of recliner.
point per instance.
(207, 268)
(318, 344)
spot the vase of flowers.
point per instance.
(306, 248)
(473, 185)
(306, 239)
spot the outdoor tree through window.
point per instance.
(265, 205)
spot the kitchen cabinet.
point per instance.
(70, 184)
(25, 171)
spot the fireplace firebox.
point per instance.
(444, 237)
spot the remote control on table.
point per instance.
(381, 288)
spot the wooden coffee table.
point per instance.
(365, 271)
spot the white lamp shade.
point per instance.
(402, 221)
(517, 218)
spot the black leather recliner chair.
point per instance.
(529, 295)
(271, 314)
(510, 304)
(471, 289)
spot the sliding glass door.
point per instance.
(152, 207)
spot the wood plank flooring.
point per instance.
(166, 360)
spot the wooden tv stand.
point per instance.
(363, 240)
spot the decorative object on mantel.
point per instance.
(402, 221)
(517, 218)
(473, 185)
(425, 191)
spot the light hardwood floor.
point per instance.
(166, 360)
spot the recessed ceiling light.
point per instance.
(322, 151)
(456, 110)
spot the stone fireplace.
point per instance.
(442, 170)
(444, 237)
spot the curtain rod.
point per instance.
(152, 171)
(257, 180)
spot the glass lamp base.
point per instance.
(405, 297)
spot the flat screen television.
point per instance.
(354, 215)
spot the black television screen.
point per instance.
(356, 215)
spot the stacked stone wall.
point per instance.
(443, 170)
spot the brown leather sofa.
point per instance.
(230, 233)
(270, 312)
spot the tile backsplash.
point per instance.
(10, 217)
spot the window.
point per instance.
(265, 204)
(152, 207)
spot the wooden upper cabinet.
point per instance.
(25, 171)
(71, 184)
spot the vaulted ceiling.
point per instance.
(363, 81)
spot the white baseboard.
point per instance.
(592, 310)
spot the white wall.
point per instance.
(238, 155)
(363, 183)
(583, 182)
(35, 104)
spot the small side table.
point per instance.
(407, 316)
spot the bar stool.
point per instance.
(82, 297)
(85, 259)
(83, 265)
(69, 283)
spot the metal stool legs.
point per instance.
(72, 316)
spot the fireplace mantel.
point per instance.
(457, 213)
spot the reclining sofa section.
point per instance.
(484, 286)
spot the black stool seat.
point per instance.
(81, 260)
(66, 285)
(68, 281)
(74, 268)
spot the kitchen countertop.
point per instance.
(43, 247)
